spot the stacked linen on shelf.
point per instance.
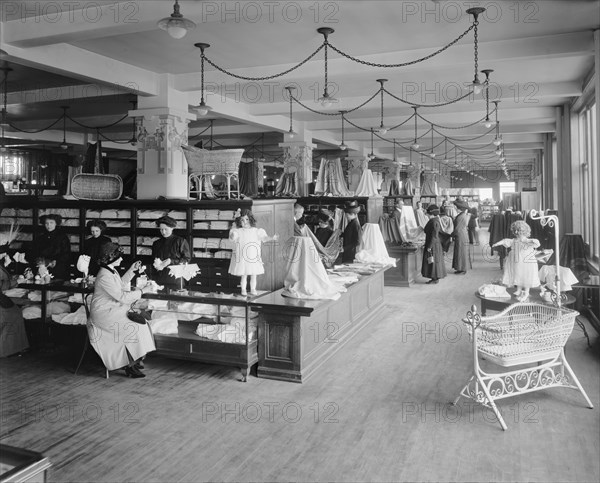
(220, 225)
(226, 215)
(163, 322)
(202, 225)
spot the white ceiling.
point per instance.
(541, 53)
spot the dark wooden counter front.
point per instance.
(296, 337)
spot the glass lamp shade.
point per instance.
(415, 145)
(497, 141)
(476, 85)
(176, 27)
(343, 147)
(64, 146)
(202, 109)
(291, 133)
(382, 130)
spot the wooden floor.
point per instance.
(379, 412)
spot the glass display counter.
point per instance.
(204, 327)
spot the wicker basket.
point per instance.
(107, 187)
(205, 162)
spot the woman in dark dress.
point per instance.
(168, 250)
(352, 233)
(433, 248)
(51, 248)
(93, 244)
(325, 229)
(460, 257)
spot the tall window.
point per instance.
(507, 187)
(588, 132)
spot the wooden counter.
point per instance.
(296, 337)
(407, 266)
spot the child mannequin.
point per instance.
(246, 259)
(520, 267)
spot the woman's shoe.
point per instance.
(131, 371)
(139, 364)
(433, 280)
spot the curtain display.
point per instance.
(248, 177)
(287, 185)
(430, 186)
(330, 180)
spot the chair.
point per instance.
(203, 164)
(86, 345)
(523, 333)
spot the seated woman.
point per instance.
(94, 243)
(52, 248)
(120, 342)
(169, 250)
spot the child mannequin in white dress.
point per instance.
(521, 267)
(246, 258)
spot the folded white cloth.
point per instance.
(489, 290)
(164, 323)
(78, 317)
(17, 292)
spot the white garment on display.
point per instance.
(306, 277)
(372, 248)
(409, 230)
(367, 185)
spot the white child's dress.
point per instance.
(521, 268)
(246, 258)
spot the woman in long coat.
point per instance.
(120, 342)
(461, 238)
(433, 248)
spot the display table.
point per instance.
(297, 336)
(588, 299)
(407, 265)
(499, 304)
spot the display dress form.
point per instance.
(430, 187)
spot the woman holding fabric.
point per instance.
(93, 244)
(120, 342)
(433, 265)
(170, 249)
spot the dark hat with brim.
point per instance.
(52, 216)
(166, 220)
(352, 207)
(109, 253)
(433, 209)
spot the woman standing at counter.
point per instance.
(120, 342)
(51, 248)
(93, 244)
(170, 249)
(433, 265)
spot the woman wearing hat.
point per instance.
(433, 265)
(51, 248)
(461, 237)
(94, 244)
(170, 249)
(353, 232)
(325, 230)
(120, 342)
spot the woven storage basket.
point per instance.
(86, 186)
(205, 162)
